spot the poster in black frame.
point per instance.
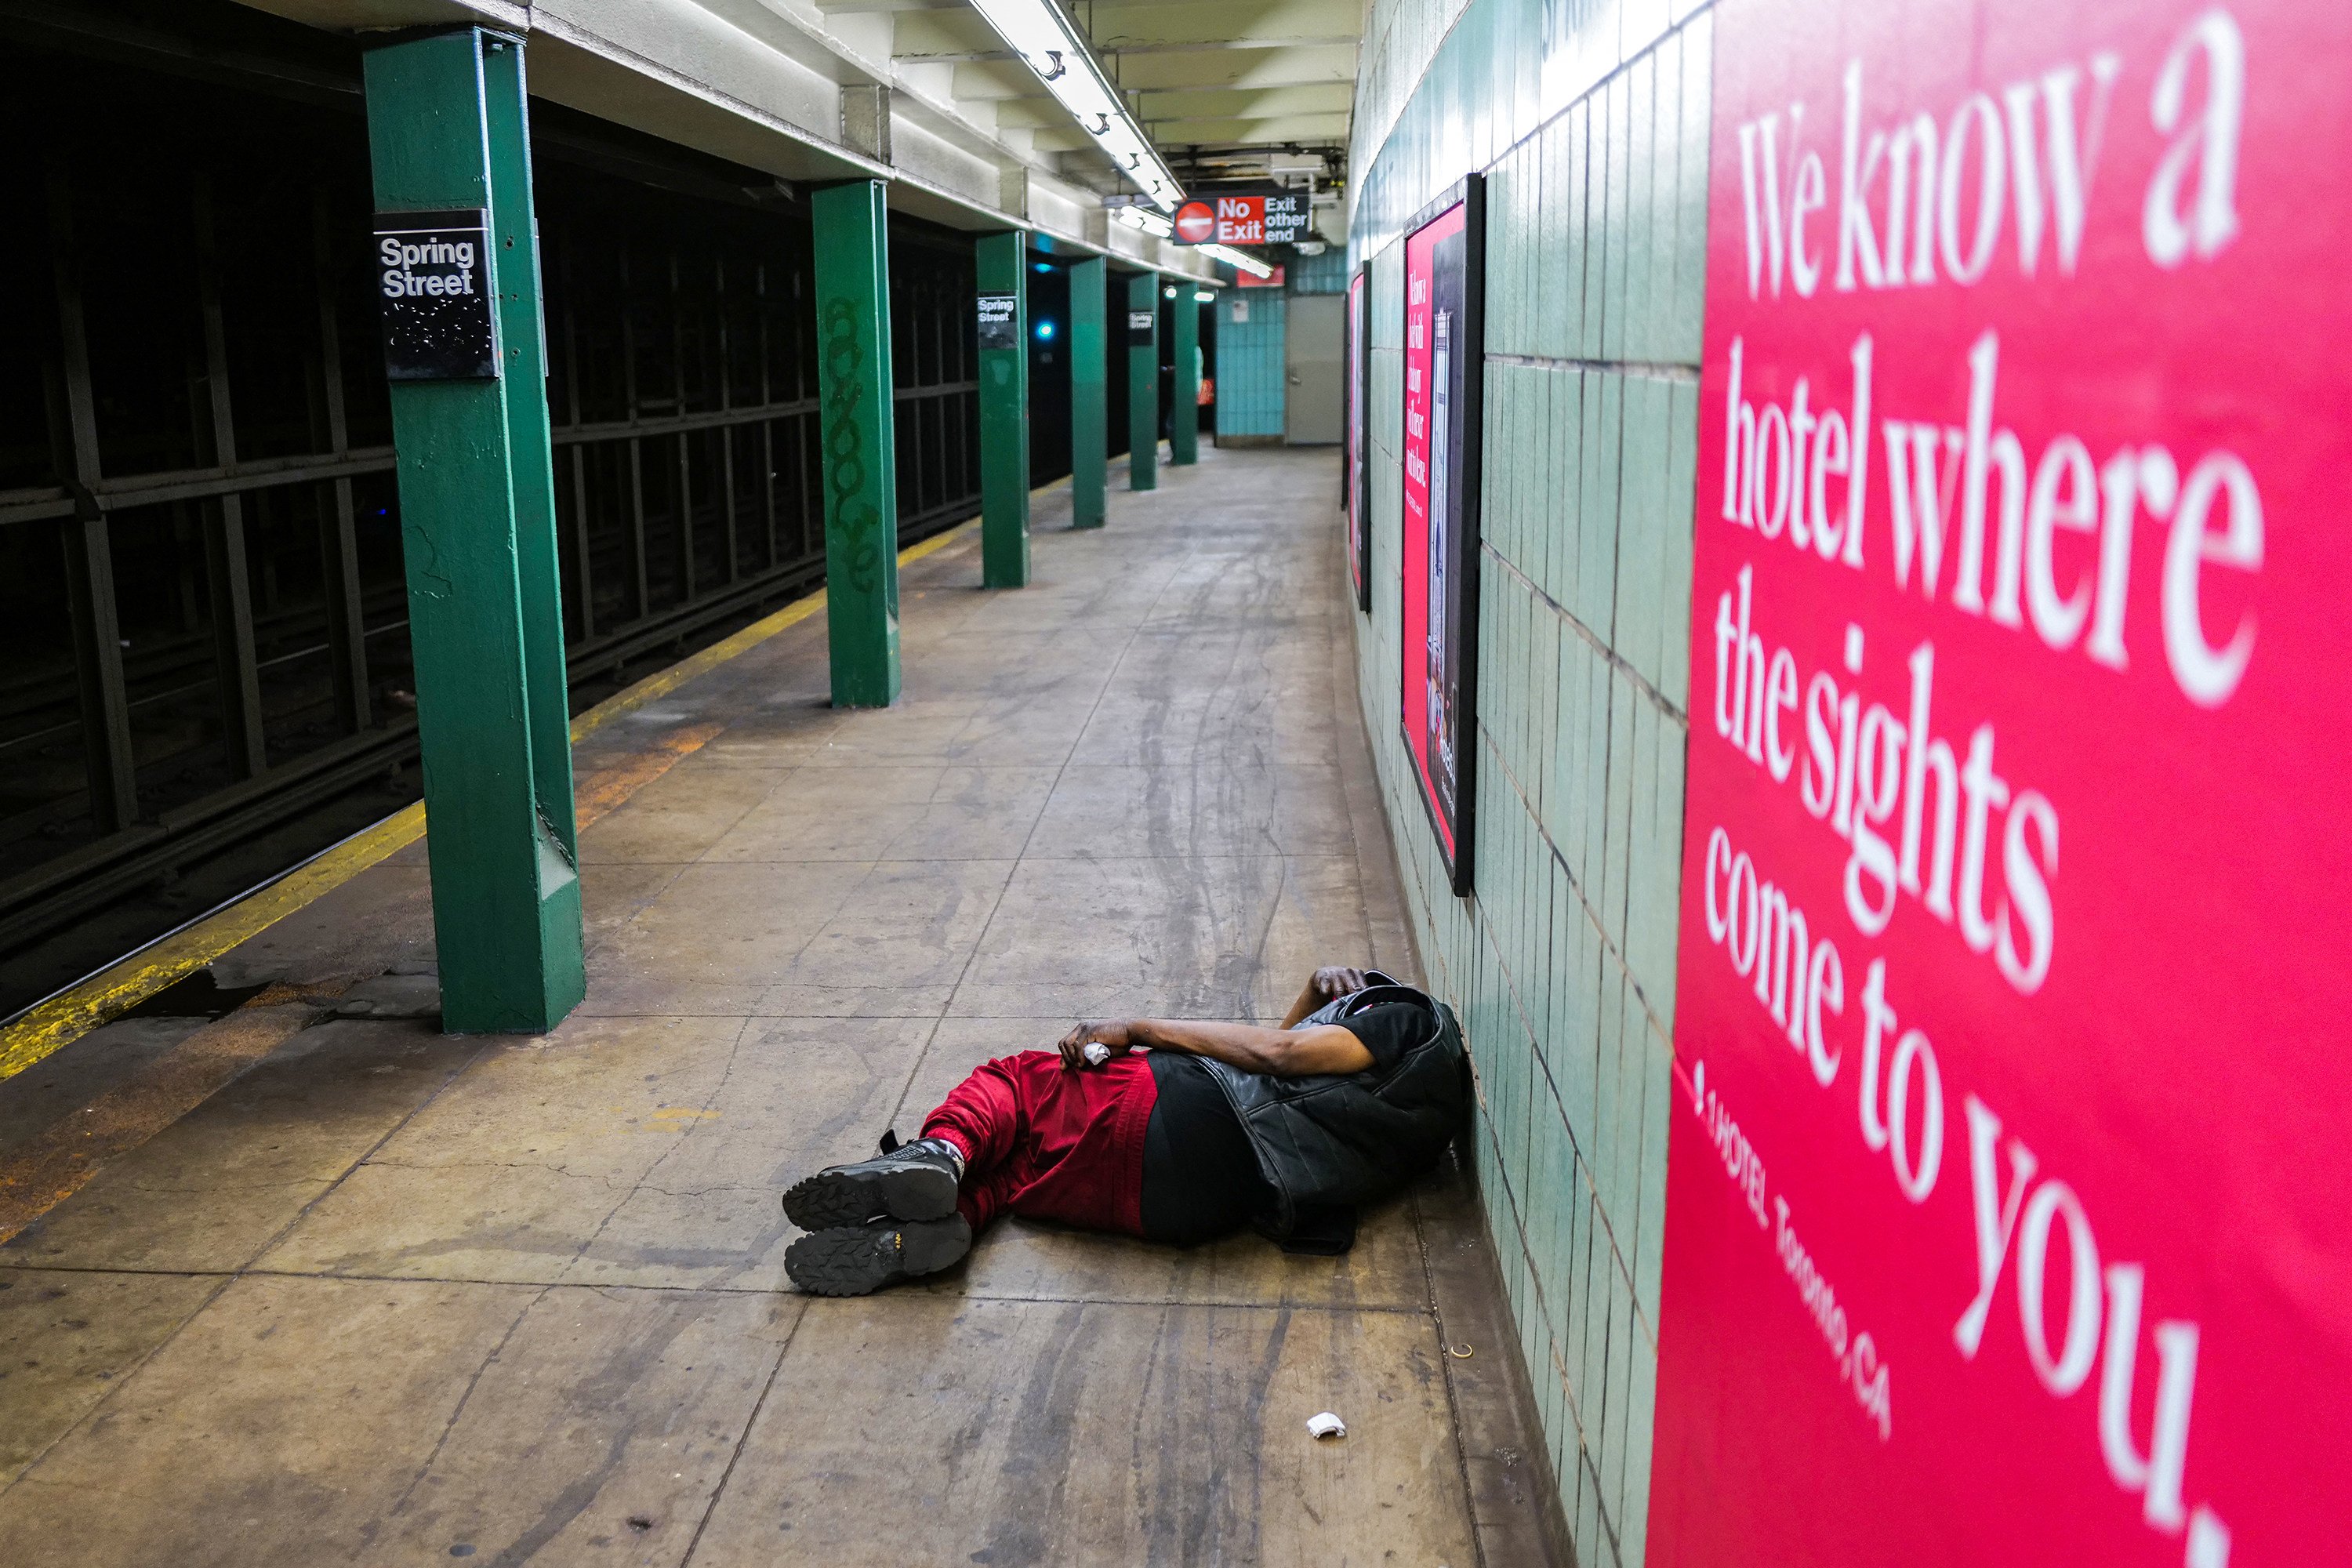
(1445, 308)
(1355, 480)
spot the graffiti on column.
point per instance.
(857, 521)
(2005, 1177)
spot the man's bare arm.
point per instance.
(1253, 1048)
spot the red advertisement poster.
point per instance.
(2007, 1176)
(1442, 267)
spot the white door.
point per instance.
(1315, 354)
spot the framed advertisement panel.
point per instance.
(1355, 494)
(2005, 1164)
(1444, 288)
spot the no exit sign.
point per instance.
(1252, 217)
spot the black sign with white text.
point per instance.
(1139, 328)
(433, 287)
(1000, 327)
(1286, 217)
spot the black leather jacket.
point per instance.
(1335, 1140)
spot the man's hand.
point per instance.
(1326, 986)
(1334, 981)
(1073, 1045)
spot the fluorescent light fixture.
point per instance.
(1205, 296)
(1236, 260)
(1038, 32)
(1144, 218)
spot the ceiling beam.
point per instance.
(1259, 104)
(1171, 133)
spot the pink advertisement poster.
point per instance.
(2009, 1193)
(1440, 539)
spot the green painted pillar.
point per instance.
(1142, 326)
(1184, 418)
(477, 512)
(860, 444)
(1090, 405)
(1002, 264)
(514, 258)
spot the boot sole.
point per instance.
(851, 1194)
(859, 1260)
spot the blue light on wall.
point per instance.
(1044, 332)
(1042, 266)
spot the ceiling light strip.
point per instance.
(1239, 261)
(1150, 222)
(1038, 32)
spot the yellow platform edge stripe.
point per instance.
(71, 1014)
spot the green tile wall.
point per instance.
(1249, 362)
(1590, 121)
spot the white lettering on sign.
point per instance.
(1241, 220)
(1861, 1366)
(1861, 763)
(454, 262)
(1925, 198)
(1971, 496)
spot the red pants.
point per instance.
(1046, 1143)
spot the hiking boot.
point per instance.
(912, 1181)
(856, 1260)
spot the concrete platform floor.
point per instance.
(391, 1297)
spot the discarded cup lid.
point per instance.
(1326, 1426)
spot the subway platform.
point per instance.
(310, 1281)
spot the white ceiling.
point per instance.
(1218, 85)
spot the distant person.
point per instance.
(1173, 1130)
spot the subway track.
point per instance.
(84, 911)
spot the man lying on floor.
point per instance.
(1171, 1130)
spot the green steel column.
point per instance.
(1143, 382)
(1184, 418)
(1002, 263)
(514, 262)
(1089, 407)
(505, 899)
(861, 489)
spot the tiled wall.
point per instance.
(1324, 274)
(1249, 363)
(1590, 121)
